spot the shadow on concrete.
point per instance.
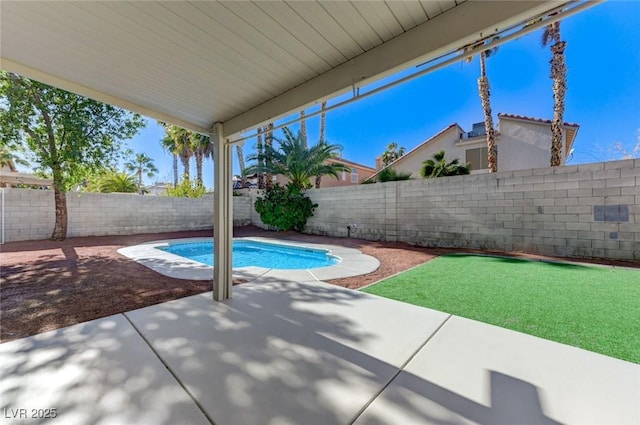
(289, 353)
(91, 373)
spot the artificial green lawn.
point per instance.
(591, 307)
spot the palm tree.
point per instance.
(115, 182)
(240, 153)
(183, 141)
(392, 153)
(485, 98)
(294, 160)
(323, 127)
(202, 148)
(303, 125)
(439, 167)
(551, 34)
(260, 156)
(141, 164)
(268, 144)
(391, 175)
(169, 145)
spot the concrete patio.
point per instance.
(283, 352)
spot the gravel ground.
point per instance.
(46, 285)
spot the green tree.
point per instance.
(114, 181)
(66, 134)
(140, 164)
(438, 166)
(485, 99)
(294, 160)
(392, 153)
(187, 189)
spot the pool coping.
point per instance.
(353, 262)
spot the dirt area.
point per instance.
(47, 285)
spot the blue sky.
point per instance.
(603, 61)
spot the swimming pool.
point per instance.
(248, 253)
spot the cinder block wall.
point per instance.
(29, 214)
(590, 210)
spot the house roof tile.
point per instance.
(539, 120)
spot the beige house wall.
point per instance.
(412, 161)
(523, 145)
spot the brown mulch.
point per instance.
(47, 285)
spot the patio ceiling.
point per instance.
(240, 63)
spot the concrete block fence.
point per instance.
(589, 211)
(29, 214)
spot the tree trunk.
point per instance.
(559, 76)
(303, 129)
(241, 163)
(323, 127)
(185, 165)
(175, 170)
(485, 98)
(60, 198)
(260, 159)
(199, 155)
(139, 180)
(268, 141)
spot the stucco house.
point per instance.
(523, 142)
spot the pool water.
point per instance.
(259, 254)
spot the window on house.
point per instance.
(344, 176)
(477, 158)
(354, 175)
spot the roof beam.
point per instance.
(451, 30)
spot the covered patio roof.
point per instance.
(238, 62)
(228, 66)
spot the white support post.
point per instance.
(222, 216)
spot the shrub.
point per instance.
(187, 189)
(285, 208)
(391, 175)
